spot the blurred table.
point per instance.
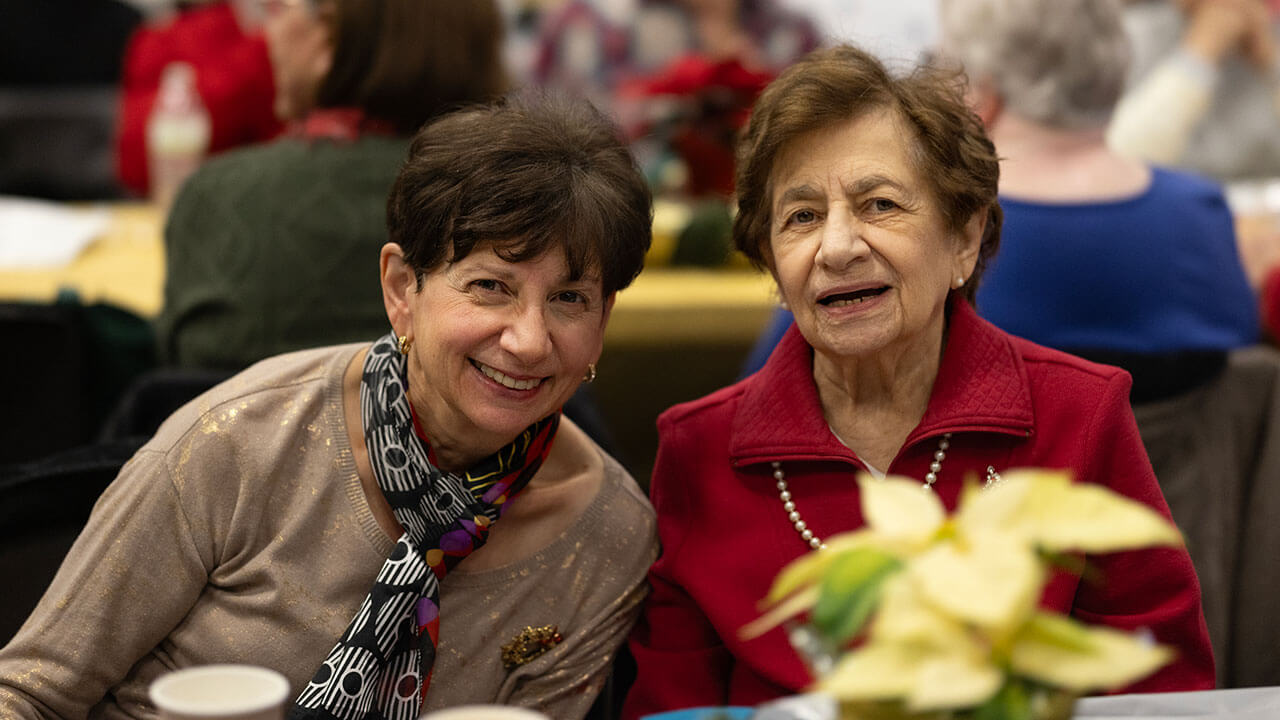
(676, 334)
(1255, 205)
(124, 267)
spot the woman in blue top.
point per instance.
(1104, 256)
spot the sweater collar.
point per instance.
(344, 124)
(982, 386)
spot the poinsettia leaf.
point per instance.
(794, 605)
(851, 590)
(1065, 516)
(954, 680)
(897, 508)
(980, 579)
(1058, 651)
(873, 672)
(812, 566)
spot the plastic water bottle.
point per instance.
(177, 132)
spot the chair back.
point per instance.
(43, 506)
(1216, 453)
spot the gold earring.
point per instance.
(591, 373)
(405, 342)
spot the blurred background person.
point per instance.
(261, 241)
(596, 46)
(222, 42)
(1203, 89)
(1204, 94)
(1117, 261)
(901, 36)
(1104, 256)
(680, 74)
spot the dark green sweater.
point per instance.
(275, 248)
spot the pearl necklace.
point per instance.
(814, 541)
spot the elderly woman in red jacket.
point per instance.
(871, 199)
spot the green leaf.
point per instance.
(1058, 631)
(1012, 702)
(850, 591)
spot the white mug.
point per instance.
(221, 692)
(483, 712)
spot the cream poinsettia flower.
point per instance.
(955, 599)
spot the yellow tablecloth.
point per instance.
(126, 267)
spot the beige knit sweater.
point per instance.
(240, 533)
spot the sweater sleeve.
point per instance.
(1155, 119)
(1155, 589)
(113, 600)
(681, 660)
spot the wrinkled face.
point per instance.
(300, 46)
(858, 243)
(499, 345)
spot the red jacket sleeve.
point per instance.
(1155, 589)
(680, 659)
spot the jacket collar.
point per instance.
(982, 386)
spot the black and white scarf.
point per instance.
(381, 666)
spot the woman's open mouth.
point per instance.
(852, 298)
(504, 380)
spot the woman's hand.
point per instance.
(1217, 28)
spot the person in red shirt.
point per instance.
(223, 42)
(871, 199)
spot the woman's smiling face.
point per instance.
(858, 243)
(498, 345)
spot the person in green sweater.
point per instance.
(269, 248)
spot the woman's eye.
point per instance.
(571, 296)
(883, 204)
(803, 217)
(486, 285)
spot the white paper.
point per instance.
(41, 234)
(1260, 703)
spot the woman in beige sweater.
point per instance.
(325, 513)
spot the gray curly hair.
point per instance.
(1059, 62)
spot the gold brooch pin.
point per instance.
(529, 644)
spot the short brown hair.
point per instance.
(406, 61)
(836, 84)
(528, 173)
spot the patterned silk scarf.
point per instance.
(381, 666)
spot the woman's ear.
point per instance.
(985, 101)
(399, 285)
(969, 241)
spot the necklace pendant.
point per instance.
(993, 477)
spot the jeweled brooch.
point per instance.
(529, 644)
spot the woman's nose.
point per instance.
(527, 337)
(840, 242)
